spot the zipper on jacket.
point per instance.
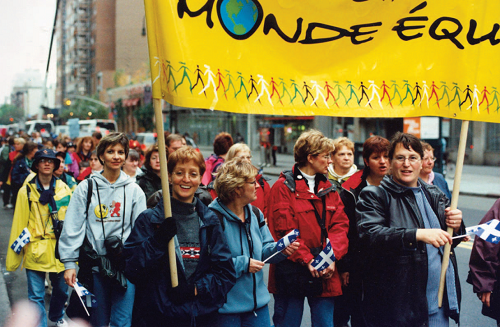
(250, 248)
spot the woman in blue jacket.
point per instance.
(250, 242)
(204, 267)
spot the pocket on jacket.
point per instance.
(282, 217)
(40, 250)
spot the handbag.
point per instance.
(295, 279)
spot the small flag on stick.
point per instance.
(325, 258)
(21, 241)
(284, 242)
(489, 231)
(87, 298)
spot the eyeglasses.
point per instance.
(253, 183)
(411, 159)
(429, 159)
(191, 176)
(45, 160)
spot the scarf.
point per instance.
(47, 196)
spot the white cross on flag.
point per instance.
(287, 239)
(21, 241)
(489, 231)
(85, 295)
(325, 258)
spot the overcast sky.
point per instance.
(26, 27)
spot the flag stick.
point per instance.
(454, 203)
(272, 256)
(459, 236)
(165, 187)
(88, 314)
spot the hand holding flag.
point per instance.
(21, 241)
(284, 242)
(325, 258)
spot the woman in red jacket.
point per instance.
(304, 199)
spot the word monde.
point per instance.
(241, 18)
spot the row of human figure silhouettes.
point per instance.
(283, 93)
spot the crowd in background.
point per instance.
(385, 226)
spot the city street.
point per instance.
(473, 208)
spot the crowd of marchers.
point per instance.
(367, 250)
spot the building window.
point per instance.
(493, 137)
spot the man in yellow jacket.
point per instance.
(41, 204)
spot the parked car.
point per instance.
(44, 127)
(146, 139)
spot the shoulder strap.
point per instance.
(28, 190)
(89, 194)
(256, 211)
(221, 218)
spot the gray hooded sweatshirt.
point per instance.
(120, 205)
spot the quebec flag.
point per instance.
(324, 258)
(21, 241)
(287, 240)
(489, 231)
(87, 297)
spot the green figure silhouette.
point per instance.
(230, 83)
(185, 75)
(351, 93)
(242, 85)
(170, 74)
(495, 98)
(396, 90)
(445, 91)
(408, 91)
(339, 92)
(457, 94)
(285, 90)
(296, 89)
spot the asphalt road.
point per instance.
(473, 209)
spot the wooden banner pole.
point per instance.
(454, 203)
(162, 152)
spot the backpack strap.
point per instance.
(29, 200)
(89, 194)
(255, 210)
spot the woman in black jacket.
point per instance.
(150, 182)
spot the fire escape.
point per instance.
(83, 33)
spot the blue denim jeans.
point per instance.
(114, 303)
(248, 319)
(36, 294)
(288, 311)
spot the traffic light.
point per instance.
(67, 102)
(11, 119)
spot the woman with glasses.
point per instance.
(250, 243)
(204, 267)
(429, 176)
(303, 198)
(150, 181)
(241, 150)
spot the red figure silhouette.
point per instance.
(384, 92)
(220, 76)
(273, 84)
(485, 97)
(116, 209)
(328, 89)
(433, 92)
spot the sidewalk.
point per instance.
(476, 180)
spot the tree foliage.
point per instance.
(80, 109)
(8, 111)
(144, 116)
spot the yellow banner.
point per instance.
(357, 58)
